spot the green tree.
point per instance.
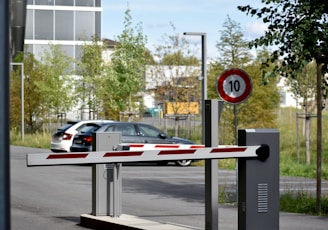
(258, 110)
(303, 88)
(55, 82)
(149, 58)
(213, 72)
(34, 98)
(90, 85)
(178, 59)
(297, 30)
(15, 94)
(15, 99)
(177, 70)
(233, 48)
(175, 77)
(128, 63)
(48, 87)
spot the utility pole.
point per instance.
(4, 116)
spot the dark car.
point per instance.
(82, 141)
(133, 132)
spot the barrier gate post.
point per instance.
(258, 182)
(106, 178)
(213, 110)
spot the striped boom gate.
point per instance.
(160, 154)
(148, 152)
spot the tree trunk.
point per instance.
(188, 126)
(307, 137)
(297, 138)
(176, 126)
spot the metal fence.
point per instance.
(185, 126)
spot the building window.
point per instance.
(64, 21)
(44, 2)
(69, 52)
(78, 52)
(98, 25)
(44, 25)
(28, 48)
(84, 3)
(84, 25)
(98, 3)
(64, 2)
(29, 24)
(39, 51)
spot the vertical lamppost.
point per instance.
(203, 77)
(22, 96)
(211, 166)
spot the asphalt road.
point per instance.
(54, 197)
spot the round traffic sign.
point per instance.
(234, 85)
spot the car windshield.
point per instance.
(147, 130)
(64, 127)
(127, 129)
(89, 128)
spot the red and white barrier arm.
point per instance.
(102, 157)
(137, 146)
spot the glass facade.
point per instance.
(69, 23)
(64, 25)
(88, 3)
(43, 25)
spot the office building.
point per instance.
(69, 23)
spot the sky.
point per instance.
(200, 16)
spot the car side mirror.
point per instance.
(162, 135)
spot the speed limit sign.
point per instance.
(234, 85)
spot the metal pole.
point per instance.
(22, 96)
(211, 166)
(4, 116)
(319, 136)
(211, 139)
(204, 78)
(22, 102)
(204, 87)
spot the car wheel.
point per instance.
(183, 163)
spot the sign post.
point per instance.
(234, 86)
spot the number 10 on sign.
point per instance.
(234, 86)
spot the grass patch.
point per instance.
(37, 140)
(302, 203)
(291, 163)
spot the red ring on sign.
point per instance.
(224, 76)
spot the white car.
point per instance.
(62, 139)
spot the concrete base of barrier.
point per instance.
(125, 222)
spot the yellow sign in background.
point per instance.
(172, 108)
